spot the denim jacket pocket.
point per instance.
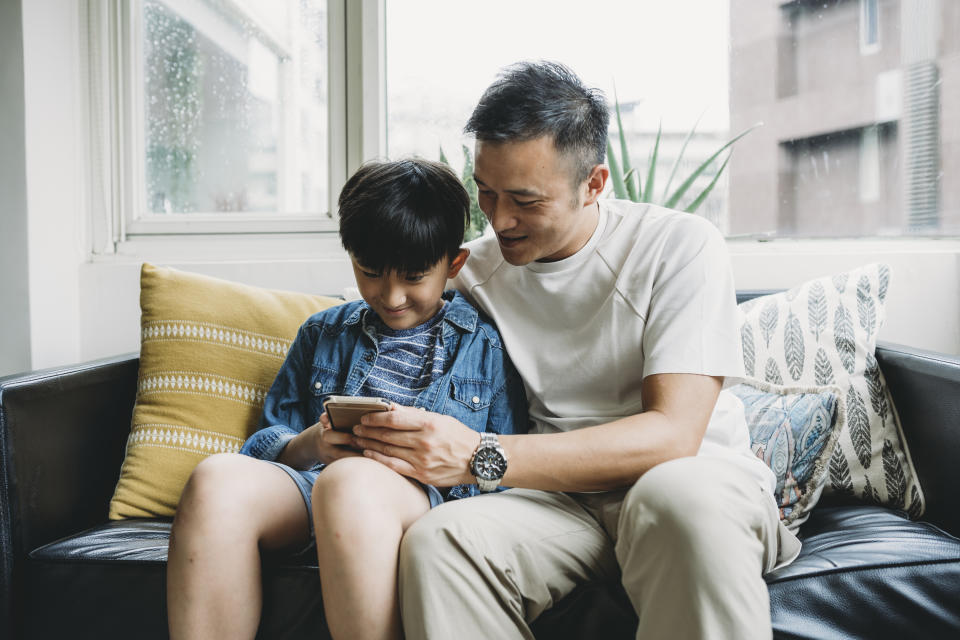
(323, 384)
(470, 401)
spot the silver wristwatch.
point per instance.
(489, 462)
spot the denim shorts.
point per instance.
(305, 479)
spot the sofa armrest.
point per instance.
(925, 387)
(63, 433)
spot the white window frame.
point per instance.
(119, 220)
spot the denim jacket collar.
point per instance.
(460, 313)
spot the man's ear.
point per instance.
(457, 263)
(596, 181)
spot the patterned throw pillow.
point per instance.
(824, 332)
(209, 352)
(793, 430)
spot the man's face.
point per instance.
(526, 191)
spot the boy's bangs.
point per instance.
(404, 248)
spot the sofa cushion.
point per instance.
(864, 572)
(210, 350)
(824, 332)
(868, 572)
(108, 580)
(793, 430)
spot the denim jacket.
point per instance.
(334, 352)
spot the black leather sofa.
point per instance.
(864, 572)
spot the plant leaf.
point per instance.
(676, 163)
(624, 154)
(682, 189)
(478, 221)
(616, 174)
(693, 206)
(651, 172)
(443, 157)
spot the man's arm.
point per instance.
(436, 449)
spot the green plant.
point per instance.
(628, 185)
(478, 221)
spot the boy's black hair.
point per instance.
(533, 99)
(403, 216)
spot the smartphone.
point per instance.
(345, 411)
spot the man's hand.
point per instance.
(429, 447)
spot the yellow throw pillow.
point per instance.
(209, 352)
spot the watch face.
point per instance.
(489, 464)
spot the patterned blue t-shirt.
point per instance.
(408, 360)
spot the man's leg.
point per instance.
(694, 537)
(486, 566)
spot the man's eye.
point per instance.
(526, 203)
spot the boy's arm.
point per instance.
(282, 417)
(288, 434)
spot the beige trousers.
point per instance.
(690, 540)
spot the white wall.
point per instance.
(55, 174)
(14, 289)
(923, 302)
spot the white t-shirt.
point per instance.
(651, 292)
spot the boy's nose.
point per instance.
(395, 297)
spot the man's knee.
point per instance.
(440, 538)
(673, 500)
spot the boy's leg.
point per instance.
(361, 509)
(487, 566)
(231, 507)
(694, 537)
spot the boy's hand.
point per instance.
(430, 447)
(331, 444)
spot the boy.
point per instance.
(409, 342)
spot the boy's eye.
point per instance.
(415, 277)
(370, 274)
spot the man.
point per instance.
(621, 320)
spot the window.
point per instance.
(217, 115)
(869, 26)
(434, 82)
(235, 111)
(848, 145)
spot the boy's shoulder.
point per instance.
(478, 321)
(336, 316)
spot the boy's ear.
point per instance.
(457, 263)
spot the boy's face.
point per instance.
(405, 300)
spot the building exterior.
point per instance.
(860, 101)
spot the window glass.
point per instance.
(235, 106)
(841, 144)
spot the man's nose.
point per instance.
(501, 216)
